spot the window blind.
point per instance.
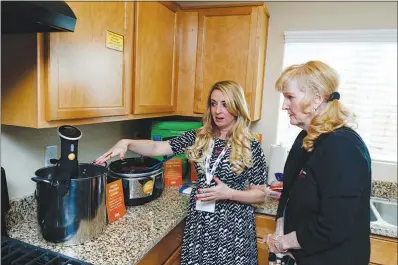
(367, 64)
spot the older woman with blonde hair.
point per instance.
(323, 216)
(220, 224)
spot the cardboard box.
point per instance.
(173, 172)
(259, 136)
(194, 174)
(115, 201)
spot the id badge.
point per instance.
(206, 206)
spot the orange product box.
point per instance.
(259, 137)
(194, 174)
(173, 172)
(115, 201)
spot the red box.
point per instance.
(173, 172)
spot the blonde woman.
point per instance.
(220, 224)
(323, 216)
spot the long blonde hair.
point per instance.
(239, 137)
(317, 78)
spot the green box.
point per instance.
(165, 130)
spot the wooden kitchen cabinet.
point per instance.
(175, 258)
(49, 77)
(230, 45)
(86, 78)
(169, 59)
(262, 250)
(265, 224)
(156, 60)
(168, 250)
(383, 249)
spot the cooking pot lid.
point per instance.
(134, 166)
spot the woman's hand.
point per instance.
(270, 240)
(275, 243)
(119, 149)
(219, 192)
(282, 243)
(288, 241)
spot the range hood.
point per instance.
(36, 16)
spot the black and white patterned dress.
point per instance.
(227, 236)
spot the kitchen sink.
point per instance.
(373, 217)
(384, 212)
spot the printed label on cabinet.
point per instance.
(114, 41)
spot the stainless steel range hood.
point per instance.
(36, 16)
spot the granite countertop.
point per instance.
(130, 238)
(125, 241)
(270, 207)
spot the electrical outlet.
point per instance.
(51, 152)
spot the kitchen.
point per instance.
(106, 116)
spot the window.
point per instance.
(367, 64)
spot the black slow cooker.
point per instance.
(141, 182)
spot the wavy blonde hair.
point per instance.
(239, 137)
(317, 78)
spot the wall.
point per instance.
(22, 149)
(289, 16)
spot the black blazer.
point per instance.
(326, 199)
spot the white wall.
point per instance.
(22, 149)
(289, 16)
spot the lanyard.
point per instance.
(210, 172)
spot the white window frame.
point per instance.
(378, 35)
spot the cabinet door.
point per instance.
(226, 44)
(85, 77)
(155, 58)
(262, 250)
(265, 225)
(175, 258)
(383, 250)
(167, 249)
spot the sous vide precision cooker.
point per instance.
(67, 165)
(70, 196)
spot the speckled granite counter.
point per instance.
(128, 239)
(125, 241)
(270, 207)
(385, 189)
(383, 231)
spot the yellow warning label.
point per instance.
(114, 41)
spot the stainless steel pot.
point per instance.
(142, 179)
(80, 214)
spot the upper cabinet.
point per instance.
(90, 70)
(82, 75)
(156, 61)
(230, 45)
(131, 60)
